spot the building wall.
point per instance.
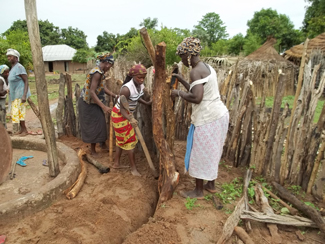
(72, 67)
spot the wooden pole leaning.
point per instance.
(41, 86)
(125, 104)
(111, 132)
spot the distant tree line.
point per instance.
(210, 29)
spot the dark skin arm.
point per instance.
(145, 102)
(2, 92)
(125, 92)
(181, 80)
(94, 84)
(25, 79)
(108, 92)
(195, 95)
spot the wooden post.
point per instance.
(111, 132)
(41, 86)
(149, 46)
(59, 109)
(273, 123)
(69, 115)
(169, 177)
(77, 92)
(300, 79)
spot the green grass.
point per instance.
(53, 89)
(290, 99)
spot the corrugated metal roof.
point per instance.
(58, 52)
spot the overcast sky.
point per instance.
(119, 16)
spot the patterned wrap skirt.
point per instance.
(208, 141)
(124, 132)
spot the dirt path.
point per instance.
(119, 208)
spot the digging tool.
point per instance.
(13, 168)
(6, 153)
(125, 104)
(111, 132)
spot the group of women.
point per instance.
(209, 118)
(15, 81)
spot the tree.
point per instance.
(19, 40)
(106, 42)
(252, 43)
(149, 23)
(236, 44)
(314, 21)
(74, 37)
(268, 22)
(212, 26)
(49, 34)
(136, 50)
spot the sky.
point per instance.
(119, 16)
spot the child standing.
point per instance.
(123, 123)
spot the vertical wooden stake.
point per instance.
(300, 79)
(149, 46)
(111, 133)
(41, 86)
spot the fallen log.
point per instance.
(242, 234)
(101, 168)
(73, 190)
(232, 222)
(309, 211)
(278, 219)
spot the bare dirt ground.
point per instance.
(120, 208)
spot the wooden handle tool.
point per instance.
(125, 104)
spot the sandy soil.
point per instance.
(119, 208)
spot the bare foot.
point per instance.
(192, 194)
(94, 154)
(24, 133)
(135, 172)
(118, 166)
(210, 188)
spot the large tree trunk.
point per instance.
(168, 178)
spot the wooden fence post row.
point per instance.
(265, 140)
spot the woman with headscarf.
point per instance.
(123, 123)
(4, 88)
(91, 103)
(19, 91)
(209, 119)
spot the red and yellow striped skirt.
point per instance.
(124, 132)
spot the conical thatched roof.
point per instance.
(296, 51)
(266, 53)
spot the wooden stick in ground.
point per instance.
(125, 104)
(292, 210)
(34, 108)
(73, 190)
(284, 165)
(242, 234)
(232, 222)
(247, 179)
(266, 208)
(59, 109)
(309, 211)
(111, 133)
(41, 87)
(149, 46)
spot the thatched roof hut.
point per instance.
(262, 67)
(294, 54)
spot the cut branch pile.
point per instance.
(267, 215)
